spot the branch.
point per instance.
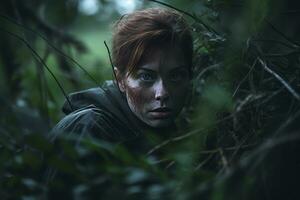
(242, 81)
(209, 68)
(188, 14)
(277, 42)
(51, 45)
(233, 148)
(112, 65)
(223, 158)
(282, 34)
(281, 80)
(184, 136)
(201, 164)
(52, 31)
(290, 12)
(37, 56)
(275, 55)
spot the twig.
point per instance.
(265, 148)
(281, 34)
(209, 68)
(248, 99)
(239, 146)
(173, 140)
(188, 14)
(37, 56)
(112, 66)
(51, 45)
(210, 155)
(40, 70)
(281, 80)
(282, 54)
(29, 13)
(184, 136)
(276, 41)
(223, 158)
(240, 83)
(201, 164)
(170, 164)
(287, 123)
(272, 95)
(234, 148)
(291, 12)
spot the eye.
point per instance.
(147, 77)
(178, 75)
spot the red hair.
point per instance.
(146, 30)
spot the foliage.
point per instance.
(243, 132)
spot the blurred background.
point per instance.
(240, 137)
(78, 28)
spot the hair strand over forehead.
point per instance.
(136, 33)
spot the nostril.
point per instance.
(162, 96)
(161, 93)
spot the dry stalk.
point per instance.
(280, 79)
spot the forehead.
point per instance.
(163, 59)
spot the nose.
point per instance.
(161, 93)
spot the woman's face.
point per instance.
(156, 92)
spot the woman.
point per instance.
(152, 58)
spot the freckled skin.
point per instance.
(161, 81)
(135, 98)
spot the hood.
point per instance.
(107, 97)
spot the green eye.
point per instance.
(146, 77)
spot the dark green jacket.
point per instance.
(103, 113)
(100, 112)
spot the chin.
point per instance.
(160, 123)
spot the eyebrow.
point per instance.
(176, 68)
(180, 67)
(146, 69)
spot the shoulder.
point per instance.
(80, 99)
(97, 112)
(93, 122)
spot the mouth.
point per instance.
(161, 113)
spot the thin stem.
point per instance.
(280, 79)
(188, 14)
(282, 34)
(111, 63)
(276, 55)
(51, 45)
(276, 41)
(37, 56)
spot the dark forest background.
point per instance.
(240, 137)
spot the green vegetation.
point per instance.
(241, 137)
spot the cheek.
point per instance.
(180, 93)
(135, 98)
(137, 95)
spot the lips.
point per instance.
(161, 113)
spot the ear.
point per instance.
(119, 79)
